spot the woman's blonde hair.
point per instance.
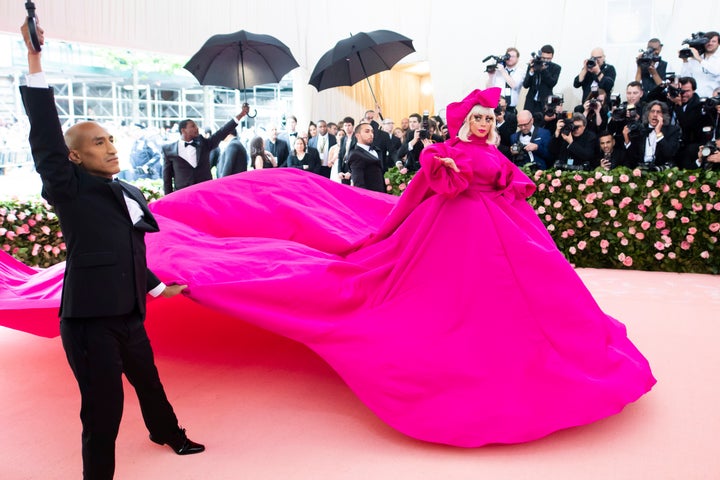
(464, 133)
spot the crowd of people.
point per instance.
(664, 120)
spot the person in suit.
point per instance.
(535, 142)
(106, 278)
(290, 133)
(611, 157)
(187, 161)
(234, 159)
(541, 77)
(574, 146)
(365, 161)
(381, 139)
(688, 112)
(653, 147)
(278, 148)
(347, 142)
(323, 142)
(388, 126)
(650, 73)
(416, 139)
(595, 74)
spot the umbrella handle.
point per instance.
(248, 115)
(32, 26)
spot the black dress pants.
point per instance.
(99, 351)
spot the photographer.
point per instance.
(703, 66)
(506, 124)
(688, 112)
(651, 68)
(574, 146)
(652, 144)
(626, 112)
(530, 144)
(418, 137)
(542, 76)
(508, 77)
(595, 73)
(595, 110)
(708, 156)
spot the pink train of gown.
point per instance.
(450, 313)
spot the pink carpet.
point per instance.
(269, 408)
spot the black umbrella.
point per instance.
(241, 59)
(358, 57)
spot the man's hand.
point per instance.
(172, 290)
(531, 147)
(606, 163)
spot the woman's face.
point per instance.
(299, 145)
(481, 123)
(312, 130)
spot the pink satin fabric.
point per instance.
(450, 313)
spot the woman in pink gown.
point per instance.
(449, 312)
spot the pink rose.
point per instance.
(714, 227)
(35, 250)
(45, 229)
(640, 235)
(692, 178)
(684, 220)
(614, 189)
(659, 256)
(692, 230)
(649, 183)
(547, 202)
(617, 224)
(624, 242)
(683, 194)
(654, 193)
(559, 217)
(594, 234)
(556, 182)
(579, 224)
(671, 214)
(624, 178)
(6, 247)
(541, 210)
(636, 172)
(659, 224)
(704, 254)
(47, 248)
(659, 246)
(666, 188)
(705, 188)
(685, 245)
(557, 204)
(604, 243)
(402, 187)
(671, 255)
(645, 225)
(571, 232)
(591, 181)
(581, 245)
(572, 250)
(679, 184)
(690, 238)
(403, 171)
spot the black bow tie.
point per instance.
(190, 144)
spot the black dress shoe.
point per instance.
(181, 444)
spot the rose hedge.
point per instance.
(628, 219)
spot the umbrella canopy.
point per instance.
(358, 57)
(241, 60)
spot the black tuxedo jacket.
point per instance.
(541, 83)
(106, 272)
(279, 149)
(342, 161)
(366, 170)
(313, 142)
(233, 160)
(607, 83)
(178, 173)
(665, 149)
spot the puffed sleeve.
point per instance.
(440, 178)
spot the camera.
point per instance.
(501, 60)
(615, 101)
(624, 112)
(696, 41)
(538, 63)
(647, 58)
(591, 62)
(568, 127)
(551, 104)
(708, 149)
(425, 126)
(669, 90)
(636, 129)
(709, 105)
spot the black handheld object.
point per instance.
(248, 115)
(32, 26)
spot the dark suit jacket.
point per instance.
(541, 138)
(647, 81)
(342, 161)
(607, 83)
(178, 173)
(541, 83)
(313, 142)
(106, 272)
(665, 149)
(584, 151)
(279, 149)
(365, 169)
(233, 160)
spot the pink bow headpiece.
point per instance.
(456, 112)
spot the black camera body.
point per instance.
(501, 60)
(424, 131)
(637, 129)
(697, 41)
(551, 104)
(538, 63)
(708, 149)
(591, 63)
(624, 112)
(568, 127)
(709, 105)
(648, 58)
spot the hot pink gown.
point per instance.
(450, 312)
